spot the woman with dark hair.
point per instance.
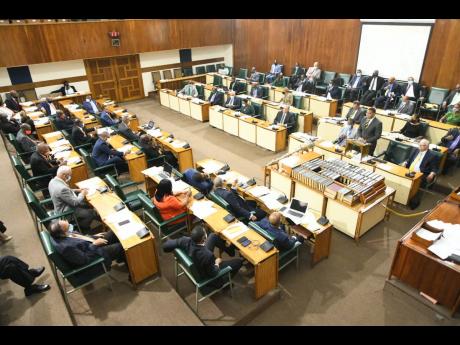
(151, 150)
(169, 204)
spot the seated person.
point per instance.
(223, 70)
(424, 161)
(239, 207)
(26, 119)
(63, 121)
(348, 131)
(391, 90)
(66, 89)
(313, 74)
(412, 128)
(302, 84)
(80, 134)
(411, 90)
(452, 141)
(356, 113)
(103, 154)
(19, 272)
(278, 81)
(216, 97)
(42, 162)
(171, 204)
(256, 90)
(106, 118)
(275, 70)
(332, 90)
(152, 151)
(123, 128)
(355, 86)
(4, 110)
(9, 126)
(65, 199)
(24, 138)
(200, 248)
(451, 99)
(254, 77)
(79, 250)
(287, 98)
(406, 107)
(47, 106)
(198, 180)
(233, 102)
(295, 77)
(272, 224)
(189, 90)
(90, 105)
(452, 117)
(247, 108)
(370, 86)
(12, 101)
(286, 118)
(238, 86)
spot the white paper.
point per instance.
(26, 104)
(41, 121)
(63, 154)
(309, 220)
(34, 113)
(235, 230)
(58, 143)
(428, 235)
(118, 111)
(117, 217)
(125, 148)
(290, 161)
(156, 133)
(270, 201)
(29, 109)
(327, 143)
(178, 186)
(203, 209)
(178, 143)
(153, 171)
(441, 248)
(128, 230)
(212, 167)
(104, 129)
(73, 160)
(259, 191)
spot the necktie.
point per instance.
(366, 124)
(231, 101)
(283, 118)
(213, 96)
(373, 83)
(415, 162)
(86, 238)
(454, 143)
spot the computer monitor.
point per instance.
(298, 205)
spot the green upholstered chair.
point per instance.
(158, 161)
(25, 155)
(210, 68)
(243, 73)
(200, 89)
(97, 171)
(42, 216)
(230, 70)
(326, 77)
(187, 71)
(217, 80)
(68, 137)
(184, 265)
(344, 78)
(261, 78)
(397, 153)
(131, 199)
(200, 70)
(265, 91)
(298, 102)
(285, 256)
(77, 277)
(432, 107)
(151, 215)
(222, 203)
(286, 81)
(258, 110)
(26, 179)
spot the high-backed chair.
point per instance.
(258, 110)
(167, 74)
(157, 161)
(33, 182)
(131, 199)
(344, 78)
(286, 81)
(298, 102)
(243, 73)
(200, 89)
(222, 203)
(210, 68)
(265, 91)
(25, 155)
(397, 153)
(187, 71)
(217, 80)
(200, 70)
(432, 107)
(261, 78)
(326, 77)
(68, 137)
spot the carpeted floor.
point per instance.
(348, 288)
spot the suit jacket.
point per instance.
(254, 77)
(201, 256)
(149, 150)
(41, 166)
(289, 121)
(359, 116)
(429, 162)
(297, 70)
(406, 108)
(189, 90)
(65, 123)
(46, 107)
(416, 88)
(107, 120)
(63, 197)
(80, 136)
(368, 81)
(256, 92)
(236, 103)
(335, 92)
(238, 206)
(62, 90)
(282, 240)
(454, 132)
(204, 187)
(127, 132)
(26, 142)
(302, 83)
(448, 99)
(395, 88)
(249, 110)
(102, 153)
(237, 87)
(361, 81)
(10, 126)
(13, 104)
(287, 99)
(218, 99)
(88, 106)
(372, 133)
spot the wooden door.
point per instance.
(118, 78)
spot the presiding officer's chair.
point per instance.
(397, 153)
(184, 265)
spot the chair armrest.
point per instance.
(82, 146)
(78, 270)
(105, 167)
(129, 184)
(221, 273)
(20, 154)
(179, 216)
(36, 178)
(46, 201)
(50, 218)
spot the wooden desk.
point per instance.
(230, 122)
(78, 97)
(271, 139)
(40, 127)
(226, 79)
(247, 129)
(136, 163)
(88, 120)
(415, 265)
(119, 112)
(323, 108)
(174, 101)
(184, 104)
(79, 172)
(327, 130)
(177, 83)
(141, 254)
(304, 118)
(164, 97)
(216, 117)
(200, 111)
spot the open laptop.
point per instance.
(296, 210)
(167, 168)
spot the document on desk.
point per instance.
(270, 201)
(117, 217)
(60, 149)
(73, 160)
(178, 186)
(156, 133)
(119, 111)
(235, 230)
(62, 154)
(26, 104)
(58, 143)
(153, 171)
(203, 209)
(212, 167)
(309, 221)
(178, 143)
(259, 191)
(127, 230)
(104, 129)
(34, 113)
(441, 248)
(41, 121)
(29, 109)
(428, 235)
(72, 107)
(125, 148)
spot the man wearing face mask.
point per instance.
(287, 98)
(301, 85)
(47, 106)
(233, 102)
(90, 105)
(12, 101)
(406, 107)
(411, 90)
(372, 84)
(313, 74)
(391, 90)
(124, 129)
(256, 90)
(80, 135)
(333, 91)
(295, 77)
(452, 98)
(354, 86)
(103, 154)
(65, 198)
(23, 137)
(254, 77)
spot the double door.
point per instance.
(118, 78)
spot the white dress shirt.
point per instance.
(420, 157)
(355, 84)
(456, 99)
(52, 108)
(373, 86)
(410, 91)
(69, 91)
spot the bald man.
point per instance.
(391, 90)
(103, 154)
(272, 224)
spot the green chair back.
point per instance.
(423, 128)
(258, 109)
(261, 78)
(20, 168)
(88, 159)
(219, 201)
(286, 81)
(344, 78)
(34, 204)
(115, 186)
(200, 70)
(15, 143)
(217, 80)
(187, 71)
(438, 155)
(298, 102)
(200, 89)
(187, 264)
(265, 91)
(210, 68)
(261, 231)
(437, 95)
(243, 73)
(398, 152)
(328, 76)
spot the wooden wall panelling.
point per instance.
(102, 78)
(129, 77)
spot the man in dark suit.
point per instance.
(238, 86)
(152, 151)
(80, 134)
(104, 155)
(406, 106)
(424, 161)
(355, 85)
(272, 224)
(333, 91)
(411, 90)
(63, 121)
(66, 89)
(452, 141)
(47, 105)
(216, 97)
(356, 113)
(90, 105)
(370, 130)
(9, 126)
(391, 90)
(254, 75)
(297, 70)
(247, 108)
(124, 129)
(79, 250)
(301, 84)
(42, 163)
(12, 101)
(256, 90)
(198, 180)
(19, 272)
(107, 120)
(286, 118)
(233, 102)
(371, 85)
(239, 206)
(452, 98)
(200, 248)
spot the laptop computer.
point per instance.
(296, 210)
(167, 169)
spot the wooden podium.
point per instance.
(362, 147)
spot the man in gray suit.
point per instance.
(370, 130)
(24, 139)
(286, 118)
(65, 199)
(406, 106)
(123, 128)
(356, 113)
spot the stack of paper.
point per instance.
(29, 109)
(178, 143)
(41, 121)
(104, 129)
(327, 143)
(259, 191)
(428, 235)
(212, 167)
(117, 217)
(153, 171)
(156, 133)
(26, 104)
(59, 143)
(309, 220)
(127, 230)
(73, 160)
(203, 209)
(62, 154)
(235, 230)
(125, 148)
(179, 186)
(270, 201)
